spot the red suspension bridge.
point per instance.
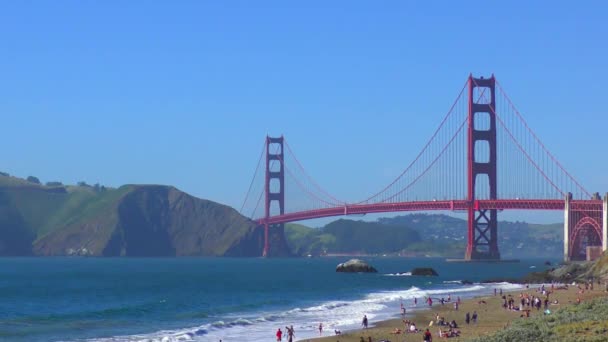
(483, 158)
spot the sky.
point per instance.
(184, 93)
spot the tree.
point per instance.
(33, 179)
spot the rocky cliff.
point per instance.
(134, 220)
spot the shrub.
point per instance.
(33, 179)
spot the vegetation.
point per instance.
(421, 235)
(587, 321)
(33, 179)
(517, 239)
(348, 236)
(133, 220)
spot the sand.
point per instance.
(491, 316)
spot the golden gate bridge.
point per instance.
(483, 158)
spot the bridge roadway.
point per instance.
(452, 205)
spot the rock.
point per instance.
(424, 271)
(355, 265)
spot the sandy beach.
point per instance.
(491, 316)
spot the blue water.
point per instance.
(205, 299)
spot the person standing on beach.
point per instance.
(364, 323)
(467, 318)
(474, 317)
(291, 333)
(279, 335)
(320, 329)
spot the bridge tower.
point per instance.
(273, 192)
(482, 238)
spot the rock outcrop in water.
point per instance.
(133, 220)
(354, 266)
(424, 271)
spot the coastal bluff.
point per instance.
(130, 221)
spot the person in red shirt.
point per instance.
(279, 335)
(427, 336)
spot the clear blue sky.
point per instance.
(184, 92)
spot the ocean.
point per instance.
(208, 299)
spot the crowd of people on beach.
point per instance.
(291, 333)
(537, 298)
(446, 328)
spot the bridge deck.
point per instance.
(455, 205)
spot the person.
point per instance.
(413, 328)
(364, 323)
(474, 317)
(320, 328)
(427, 336)
(279, 335)
(467, 318)
(291, 333)
(416, 298)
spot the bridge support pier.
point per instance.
(605, 223)
(585, 227)
(567, 227)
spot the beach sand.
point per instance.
(491, 316)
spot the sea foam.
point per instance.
(342, 315)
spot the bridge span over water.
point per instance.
(482, 159)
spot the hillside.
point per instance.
(348, 236)
(516, 239)
(133, 220)
(433, 235)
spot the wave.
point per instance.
(452, 281)
(341, 315)
(399, 274)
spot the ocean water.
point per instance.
(208, 299)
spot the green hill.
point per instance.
(516, 239)
(435, 235)
(133, 220)
(348, 236)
